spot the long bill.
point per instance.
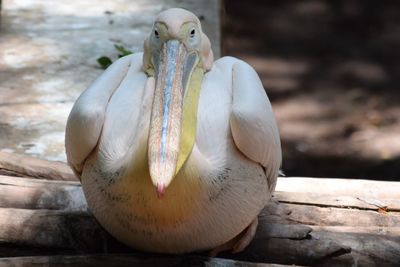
(173, 68)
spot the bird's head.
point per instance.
(183, 27)
(176, 54)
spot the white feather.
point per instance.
(253, 124)
(236, 136)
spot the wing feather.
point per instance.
(86, 119)
(252, 121)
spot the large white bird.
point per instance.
(176, 152)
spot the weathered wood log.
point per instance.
(339, 201)
(328, 216)
(356, 244)
(281, 236)
(286, 244)
(309, 221)
(340, 187)
(22, 165)
(26, 193)
(129, 260)
(54, 229)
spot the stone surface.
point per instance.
(48, 52)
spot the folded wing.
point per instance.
(252, 121)
(87, 116)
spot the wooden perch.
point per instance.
(52, 229)
(275, 242)
(21, 165)
(26, 193)
(129, 260)
(323, 200)
(341, 187)
(309, 221)
(303, 232)
(337, 236)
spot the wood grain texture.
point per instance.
(309, 221)
(121, 260)
(339, 201)
(28, 193)
(22, 165)
(282, 236)
(340, 187)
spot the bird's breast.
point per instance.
(132, 197)
(217, 188)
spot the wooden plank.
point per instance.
(323, 200)
(26, 193)
(53, 229)
(326, 248)
(121, 260)
(376, 230)
(78, 231)
(340, 187)
(327, 216)
(21, 165)
(366, 249)
(278, 241)
(35, 182)
(313, 222)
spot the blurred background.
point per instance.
(331, 70)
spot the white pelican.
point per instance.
(176, 152)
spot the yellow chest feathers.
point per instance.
(181, 199)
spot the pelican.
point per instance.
(175, 152)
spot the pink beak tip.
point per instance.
(160, 190)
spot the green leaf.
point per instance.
(122, 51)
(104, 62)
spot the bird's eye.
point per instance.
(192, 33)
(156, 34)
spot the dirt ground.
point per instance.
(332, 72)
